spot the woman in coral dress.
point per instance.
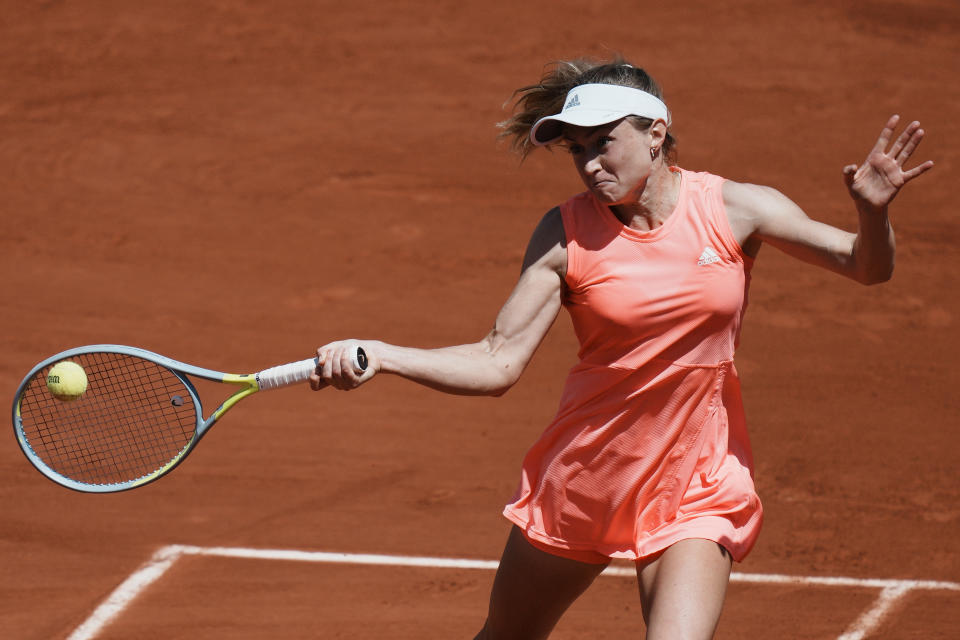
(648, 457)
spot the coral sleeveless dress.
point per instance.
(649, 445)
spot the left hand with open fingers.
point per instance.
(337, 366)
(877, 181)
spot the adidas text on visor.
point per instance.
(590, 105)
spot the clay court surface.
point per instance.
(234, 183)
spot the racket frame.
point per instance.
(248, 383)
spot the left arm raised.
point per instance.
(867, 256)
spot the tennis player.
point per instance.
(647, 457)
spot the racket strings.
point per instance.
(135, 418)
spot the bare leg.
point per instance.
(683, 589)
(532, 590)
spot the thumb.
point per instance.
(849, 172)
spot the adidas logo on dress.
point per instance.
(709, 256)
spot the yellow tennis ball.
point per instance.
(67, 381)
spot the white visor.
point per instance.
(590, 105)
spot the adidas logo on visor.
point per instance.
(591, 105)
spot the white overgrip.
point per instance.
(296, 372)
(286, 374)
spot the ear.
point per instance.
(658, 133)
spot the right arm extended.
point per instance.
(488, 367)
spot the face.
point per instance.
(613, 160)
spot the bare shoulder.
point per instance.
(750, 200)
(548, 244)
(755, 212)
(752, 205)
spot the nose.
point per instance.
(591, 163)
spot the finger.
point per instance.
(336, 363)
(325, 369)
(884, 140)
(316, 381)
(346, 366)
(343, 371)
(321, 360)
(917, 171)
(904, 139)
(916, 136)
(330, 373)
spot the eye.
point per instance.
(603, 141)
(574, 149)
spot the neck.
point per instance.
(654, 202)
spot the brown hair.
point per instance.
(546, 97)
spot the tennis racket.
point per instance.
(139, 417)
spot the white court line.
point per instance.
(872, 617)
(124, 594)
(163, 559)
(341, 558)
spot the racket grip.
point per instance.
(296, 372)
